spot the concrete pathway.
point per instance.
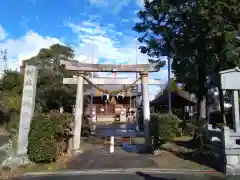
(128, 176)
(117, 130)
(100, 158)
(97, 163)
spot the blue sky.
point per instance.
(99, 31)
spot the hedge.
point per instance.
(163, 128)
(47, 131)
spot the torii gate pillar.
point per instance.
(146, 106)
(78, 114)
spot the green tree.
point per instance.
(155, 36)
(200, 36)
(11, 82)
(51, 93)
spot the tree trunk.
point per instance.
(221, 100)
(203, 108)
(198, 109)
(207, 107)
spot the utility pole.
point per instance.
(137, 113)
(3, 62)
(92, 89)
(169, 88)
(4, 59)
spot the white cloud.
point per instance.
(25, 47)
(93, 44)
(116, 5)
(121, 4)
(3, 34)
(140, 2)
(96, 43)
(98, 2)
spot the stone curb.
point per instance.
(122, 171)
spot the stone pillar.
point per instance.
(27, 110)
(20, 158)
(231, 151)
(236, 120)
(146, 106)
(78, 114)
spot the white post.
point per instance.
(78, 114)
(146, 106)
(61, 110)
(27, 109)
(93, 121)
(235, 108)
(112, 144)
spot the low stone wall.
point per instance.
(224, 146)
(232, 150)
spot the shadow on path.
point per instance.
(151, 177)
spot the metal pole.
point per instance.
(137, 91)
(169, 89)
(92, 89)
(91, 106)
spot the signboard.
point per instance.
(27, 107)
(229, 79)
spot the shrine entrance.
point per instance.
(80, 70)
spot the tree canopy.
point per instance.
(51, 92)
(199, 36)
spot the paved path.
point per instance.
(100, 158)
(132, 176)
(117, 130)
(87, 166)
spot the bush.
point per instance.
(200, 134)
(62, 129)
(46, 136)
(163, 128)
(62, 124)
(188, 129)
(86, 131)
(12, 125)
(42, 140)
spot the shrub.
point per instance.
(42, 140)
(48, 136)
(63, 130)
(200, 133)
(12, 125)
(62, 124)
(163, 128)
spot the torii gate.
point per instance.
(79, 69)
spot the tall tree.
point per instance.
(199, 35)
(51, 93)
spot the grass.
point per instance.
(179, 154)
(61, 163)
(138, 140)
